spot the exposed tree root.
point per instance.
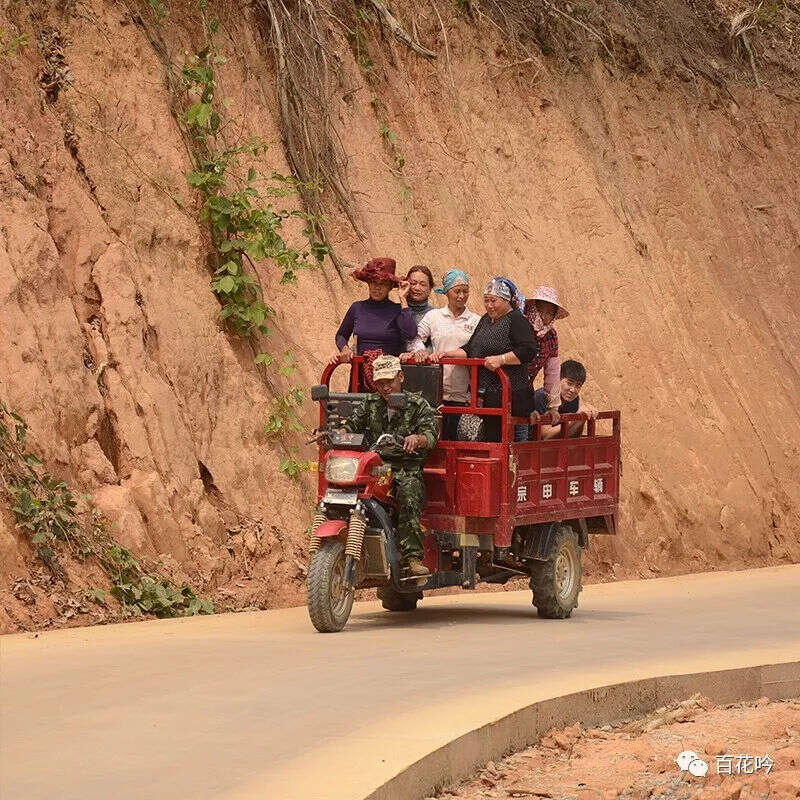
(313, 149)
(590, 30)
(399, 31)
(741, 23)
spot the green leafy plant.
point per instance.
(45, 508)
(284, 410)
(96, 596)
(283, 415)
(390, 138)
(149, 594)
(358, 41)
(159, 7)
(294, 467)
(10, 45)
(246, 226)
(49, 512)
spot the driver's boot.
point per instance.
(416, 568)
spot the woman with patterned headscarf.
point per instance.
(505, 340)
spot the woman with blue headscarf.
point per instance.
(505, 340)
(447, 329)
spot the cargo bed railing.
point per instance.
(474, 364)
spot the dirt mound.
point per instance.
(661, 201)
(746, 750)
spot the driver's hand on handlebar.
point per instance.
(493, 363)
(413, 442)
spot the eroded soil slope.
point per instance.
(662, 199)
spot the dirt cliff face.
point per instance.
(663, 206)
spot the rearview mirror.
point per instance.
(320, 392)
(397, 401)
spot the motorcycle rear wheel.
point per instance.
(329, 600)
(557, 582)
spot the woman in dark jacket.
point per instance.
(504, 338)
(378, 323)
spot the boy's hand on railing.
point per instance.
(550, 417)
(590, 411)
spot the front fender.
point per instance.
(331, 527)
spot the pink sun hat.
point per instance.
(549, 295)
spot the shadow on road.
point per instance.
(472, 615)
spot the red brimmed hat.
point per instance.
(379, 269)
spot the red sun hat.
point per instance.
(379, 269)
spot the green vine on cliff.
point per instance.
(48, 511)
(246, 226)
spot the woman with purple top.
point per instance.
(378, 323)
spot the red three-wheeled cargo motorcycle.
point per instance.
(494, 510)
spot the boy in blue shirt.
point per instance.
(573, 376)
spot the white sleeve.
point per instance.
(423, 334)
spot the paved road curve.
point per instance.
(260, 705)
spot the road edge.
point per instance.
(607, 704)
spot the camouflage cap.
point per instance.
(385, 367)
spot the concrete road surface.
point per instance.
(259, 705)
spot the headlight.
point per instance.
(341, 469)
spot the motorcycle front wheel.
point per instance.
(329, 599)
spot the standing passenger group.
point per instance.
(514, 334)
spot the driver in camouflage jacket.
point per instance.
(417, 426)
